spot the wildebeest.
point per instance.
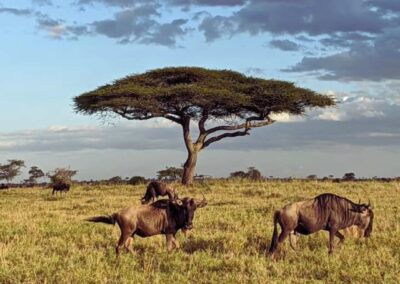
(161, 217)
(62, 187)
(157, 188)
(325, 212)
(4, 186)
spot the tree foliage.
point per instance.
(189, 91)
(224, 103)
(252, 173)
(135, 180)
(11, 170)
(349, 176)
(170, 173)
(61, 175)
(34, 174)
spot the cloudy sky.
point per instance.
(53, 50)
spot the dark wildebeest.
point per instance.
(161, 217)
(157, 188)
(325, 212)
(4, 186)
(62, 187)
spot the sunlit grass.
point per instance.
(44, 239)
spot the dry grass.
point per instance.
(44, 239)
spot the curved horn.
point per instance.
(202, 203)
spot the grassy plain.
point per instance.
(43, 239)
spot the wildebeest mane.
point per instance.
(327, 203)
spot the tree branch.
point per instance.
(129, 116)
(225, 135)
(202, 122)
(173, 118)
(246, 125)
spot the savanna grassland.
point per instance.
(44, 238)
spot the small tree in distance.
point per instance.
(312, 177)
(116, 180)
(349, 176)
(34, 174)
(170, 173)
(252, 173)
(238, 174)
(11, 170)
(223, 103)
(135, 180)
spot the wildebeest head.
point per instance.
(186, 208)
(366, 217)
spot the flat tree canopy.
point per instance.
(185, 94)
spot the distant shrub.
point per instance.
(137, 180)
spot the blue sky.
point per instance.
(54, 50)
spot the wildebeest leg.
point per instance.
(283, 235)
(175, 242)
(170, 242)
(340, 236)
(332, 233)
(293, 240)
(122, 241)
(128, 244)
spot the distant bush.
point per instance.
(137, 180)
(252, 173)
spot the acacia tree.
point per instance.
(223, 103)
(61, 175)
(35, 173)
(11, 170)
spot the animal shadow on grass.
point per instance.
(51, 198)
(257, 245)
(194, 245)
(222, 203)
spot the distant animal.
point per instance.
(327, 212)
(161, 217)
(4, 186)
(62, 187)
(157, 188)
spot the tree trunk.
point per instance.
(189, 167)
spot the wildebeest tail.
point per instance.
(274, 241)
(111, 219)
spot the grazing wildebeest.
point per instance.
(4, 186)
(325, 212)
(62, 187)
(161, 217)
(157, 188)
